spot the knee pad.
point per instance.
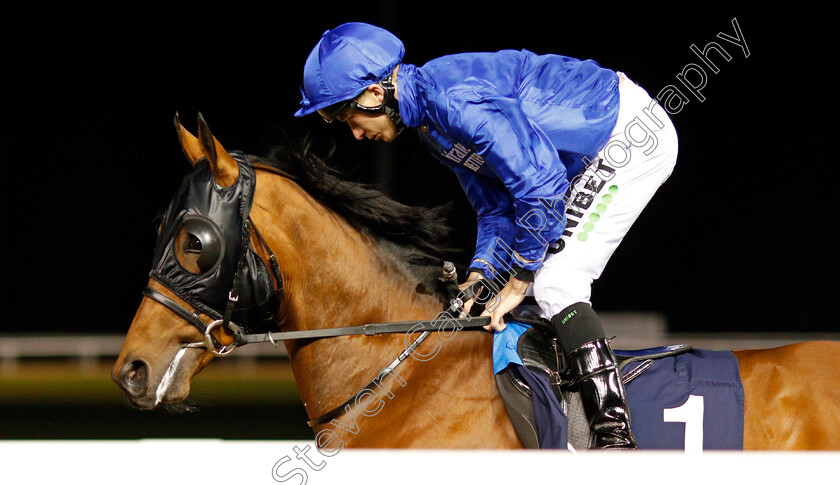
(576, 325)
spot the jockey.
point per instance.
(558, 157)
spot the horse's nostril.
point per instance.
(134, 377)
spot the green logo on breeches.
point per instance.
(600, 209)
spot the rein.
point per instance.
(370, 329)
(241, 338)
(212, 345)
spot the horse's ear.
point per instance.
(189, 143)
(224, 167)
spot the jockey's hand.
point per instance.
(509, 298)
(471, 278)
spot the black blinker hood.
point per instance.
(199, 197)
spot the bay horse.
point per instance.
(346, 255)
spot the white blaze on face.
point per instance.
(167, 378)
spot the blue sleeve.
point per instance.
(494, 210)
(525, 162)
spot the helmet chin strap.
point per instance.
(390, 106)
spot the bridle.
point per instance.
(249, 278)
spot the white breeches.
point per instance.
(607, 198)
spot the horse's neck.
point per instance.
(335, 276)
(350, 280)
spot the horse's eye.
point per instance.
(193, 244)
(199, 245)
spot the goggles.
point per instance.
(389, 106)
(334, 112)
(331, 113)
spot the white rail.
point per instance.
(87, 350)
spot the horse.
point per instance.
(344, 255)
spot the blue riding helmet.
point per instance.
(344, 62)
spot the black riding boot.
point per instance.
(602, 395)
(590, 358)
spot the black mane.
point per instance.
(416, 236)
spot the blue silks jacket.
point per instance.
(516, 128)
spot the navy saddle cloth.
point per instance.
(680, 398)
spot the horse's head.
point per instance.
(206, 278)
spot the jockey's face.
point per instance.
(367, 125)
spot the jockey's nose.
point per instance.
(133, 378)
(358, 133)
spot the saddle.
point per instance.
(539, 351)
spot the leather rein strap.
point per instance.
(370, 329)
(410, 326)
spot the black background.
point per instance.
(741, 238)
